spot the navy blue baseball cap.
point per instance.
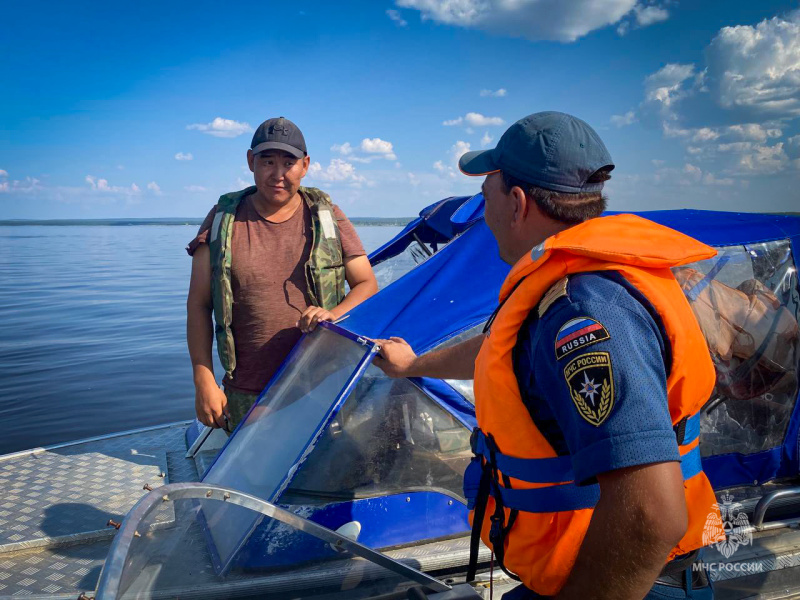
(279, 134)
(551, 150)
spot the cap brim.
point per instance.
(479, 162)
(263, 147)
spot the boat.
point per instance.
(343, 483)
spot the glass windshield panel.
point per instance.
(182, 561)
(746, 301)
(388, 437)
(267, 447)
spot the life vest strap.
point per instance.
(691, 463)
(553, 498)
(539, 470)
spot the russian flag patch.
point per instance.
(579, 333)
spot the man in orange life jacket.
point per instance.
(589, 381)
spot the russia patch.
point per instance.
(590, 379)
(579, 333)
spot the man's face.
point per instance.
(498, 213)
(277, 174)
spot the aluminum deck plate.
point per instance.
(51, 499)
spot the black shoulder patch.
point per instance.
(579, 333)
(590, 380)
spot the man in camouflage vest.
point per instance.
(270, 262)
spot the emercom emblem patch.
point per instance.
(579, 333)
(591, 385)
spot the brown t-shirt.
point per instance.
(269, 286)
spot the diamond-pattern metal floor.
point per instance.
(75, 482)
(52, 500)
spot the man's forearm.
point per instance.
(199, 337)
(355, 296)
(455, 362)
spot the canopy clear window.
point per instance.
(746, 302)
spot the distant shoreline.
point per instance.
(362, 221)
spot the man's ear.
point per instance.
(520, 204)
(306, 164)
(251, 160)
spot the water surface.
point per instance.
(92, 329)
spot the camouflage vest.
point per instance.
(324, 270)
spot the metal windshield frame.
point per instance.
(108, 586)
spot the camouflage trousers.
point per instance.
(238, 405)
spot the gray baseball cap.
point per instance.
(551, 150)
(279, 134)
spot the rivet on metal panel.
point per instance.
(226, 496)
(208, 494)
(85, 597)
(137, 534)
(162, 474)
(408, 498)
(114, 524)
(165, 498)
(449, 503)
(147, 487)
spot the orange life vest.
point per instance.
(543, 515)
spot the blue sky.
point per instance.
(147, 109)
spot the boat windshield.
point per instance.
(275, 437)
(389, 437)
(150, 558)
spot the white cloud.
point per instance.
(458, 150)
(475, 120)
(735, 147)
(343, 149)
(765, 160)
(197, 188)
(242, 184)
(3, 173)
(693, 173)
(705, 134)
(182, 156)
(754, 132)
(219, 127)
(413, 179)
(532, 19)
(711, 179)
(101, 185)
(337, 171)
(757, 69)
(629, 118)
(664, 87)
(647, 15)
(486, 140)
(501, 93)
(154, 187)
(396, 17)
(378, 146)
(4, 188)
